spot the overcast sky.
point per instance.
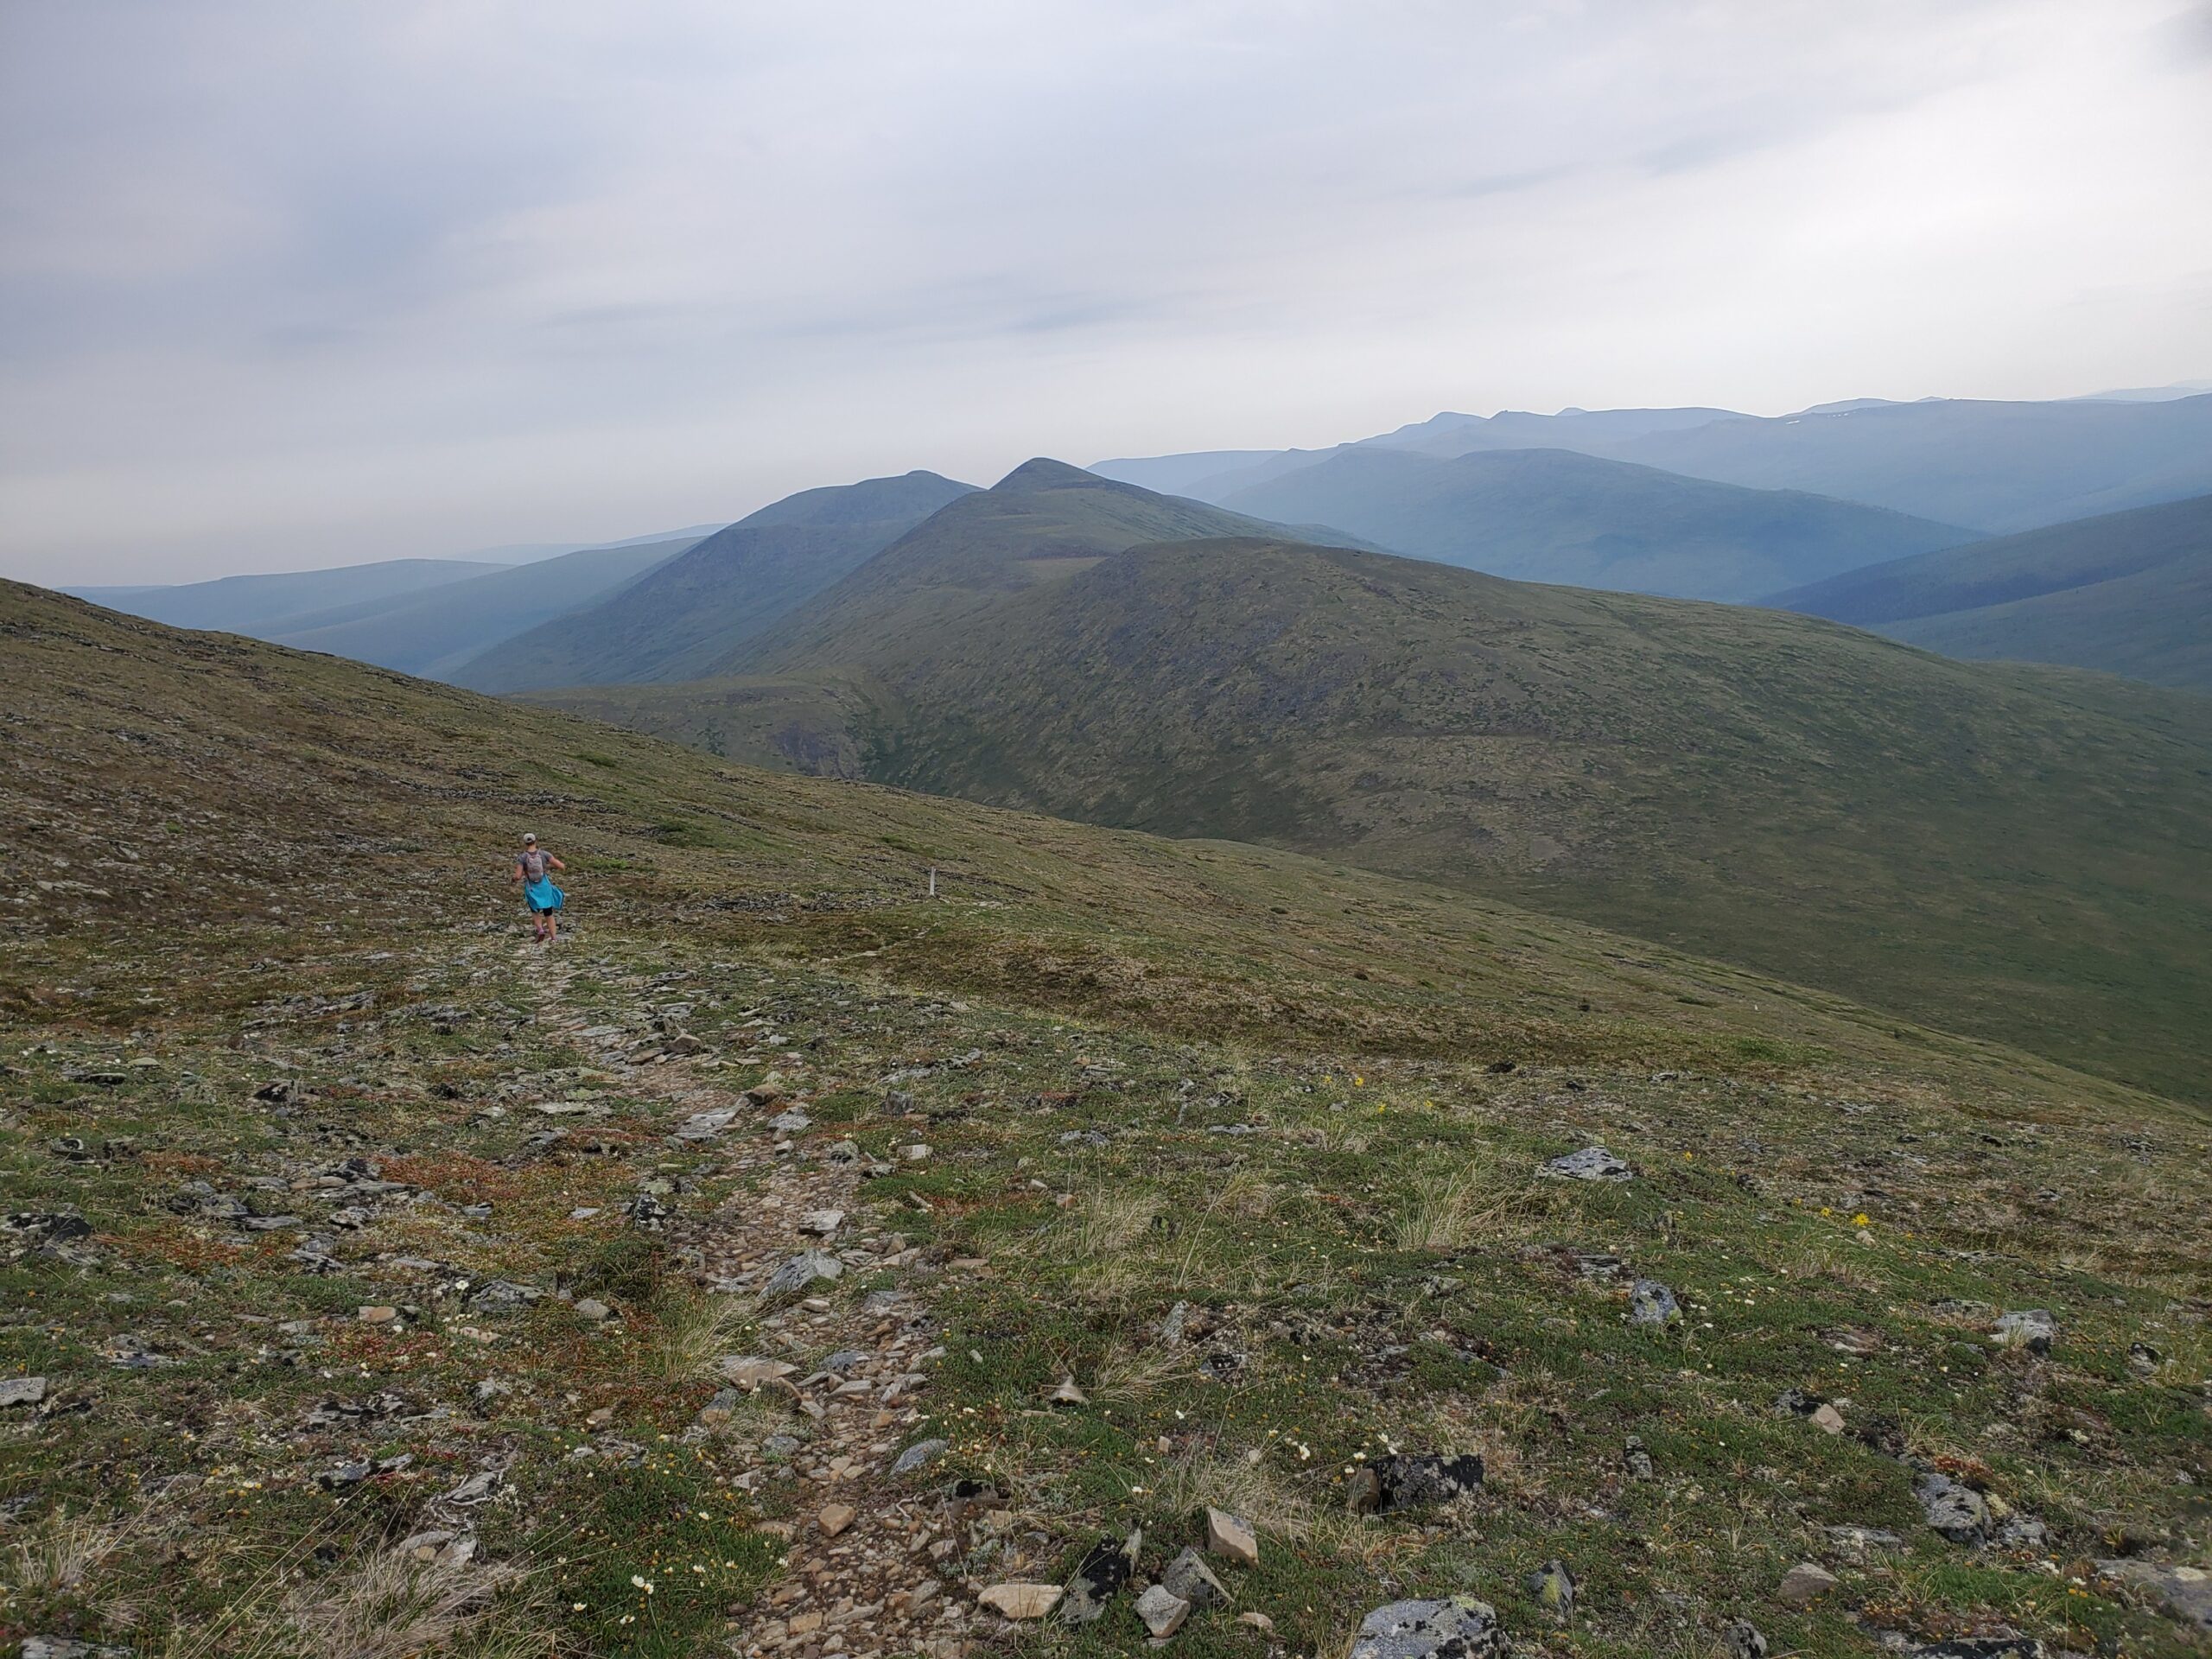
(287, 284)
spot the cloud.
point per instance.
(285, 285)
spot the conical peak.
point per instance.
(1043, 472)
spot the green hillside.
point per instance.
(2129, 593)
(437, 632)
(384, 1283)
(2005, 851)
(1552, 515)
(1042, 523)
(732, 585)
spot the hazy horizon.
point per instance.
(283, 291)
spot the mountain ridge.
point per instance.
(1585, 521)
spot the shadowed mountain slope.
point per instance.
(2129, 592)
(688, 614)
(1554, 515)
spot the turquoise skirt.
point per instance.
(541, 895)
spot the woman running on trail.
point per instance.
(533, 866)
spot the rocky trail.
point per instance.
(860, 1572)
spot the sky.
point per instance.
(284, 286)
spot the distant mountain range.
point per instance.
(2129, 593)
(251, 604)
(438, 633)
(1558, 516)
(421, 616)
(1769, 788)
(1993, 467)
(1444, 435)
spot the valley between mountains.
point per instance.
(798, 1261)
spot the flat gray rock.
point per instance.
(1591, 1163)
(1189, 1577)
(1651, 1302)
(917, 1456)
(2186, 1590)
(23, 1391)
(802, 1270)
(1459, 1627)
(1958, 1512)
(703, 1125)
(2031, 1328)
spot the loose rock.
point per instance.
(807, 1268)
(1459, 1627)
(1162, 1610)
(1020, 1601)
(1743, 1640)
(1804, 1584)
(1591, 1163)
(1099, 1578)
(1651, 1302)
(1189, 1577)
(1230, 1536)
(1414, 1480)
(2031, 1328)
(2186, 1590)
(1551, 1586)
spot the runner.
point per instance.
(544, 900)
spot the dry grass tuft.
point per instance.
(388, 1607)
(61, 1552)
(1106, 1222)
(1448, 1210)
(1253, 1491)
(690, 1333)
(1129, 1374)
(1099, 1238)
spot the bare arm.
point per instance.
(554, 862)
